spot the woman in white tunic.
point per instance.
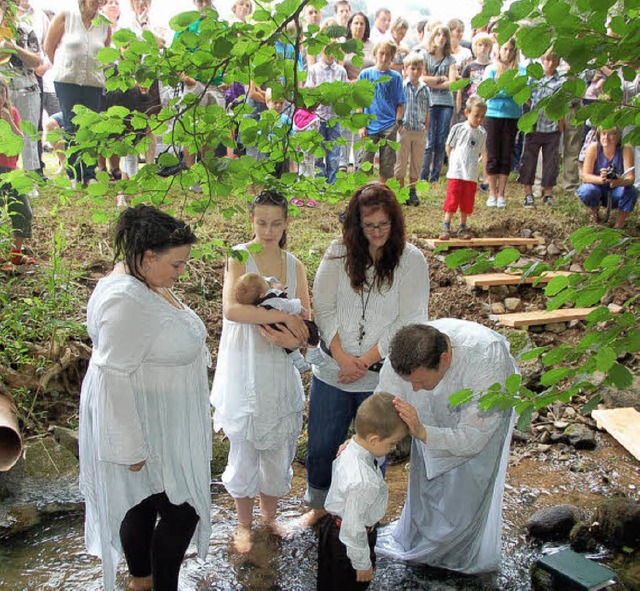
(257, 392)
(145, 420)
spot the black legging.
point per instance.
(157, 549)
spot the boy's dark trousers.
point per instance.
(335, 572)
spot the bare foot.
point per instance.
(275, 528)
(242, 539)
(140, 583)
(310, 518)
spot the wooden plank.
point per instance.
(488, 279)
(455, 242)
(623, 424)
(543, 317)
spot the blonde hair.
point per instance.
(249, 288)
(385, 44)
(475, 101)
(377, 416)
(481, 38)
(413, 58)
(502, 67)
(5, 86)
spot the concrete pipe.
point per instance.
(10, 440)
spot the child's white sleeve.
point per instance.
(353, 532)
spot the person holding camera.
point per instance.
(608, 174)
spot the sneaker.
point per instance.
(297, 202)
(464, 233)
(500, 202)
(34, 193)
(484, 187)
(444, 235)
(529, 201)
(548, 200)
(492, 201)
(413, 200)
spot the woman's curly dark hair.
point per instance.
(367, 26)
(372, 196)
(143, 228)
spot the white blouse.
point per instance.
(358, 495)
(376, 315)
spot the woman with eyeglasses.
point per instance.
(257, 391)
(368, 285)
(145, 419)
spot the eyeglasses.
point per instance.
(382, 226)
(269, 197)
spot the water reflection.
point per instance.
(52, 557)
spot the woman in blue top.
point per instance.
(501, 123)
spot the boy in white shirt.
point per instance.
(465, 145)
(357, 498)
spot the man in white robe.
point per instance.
(452, 518)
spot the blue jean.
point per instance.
(331, 411)
(330, 163)
(439, 125)
(69, 96)
(622, 198)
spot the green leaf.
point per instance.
(535, 70)
(459, 84)
(620, 376)
(97, 189)
(532, 354)
(527, 122)
(553, 376)
(512, 384)
(591, 404)
(524, 419)
(184, 19)
(459, 257)
(506, 257)
(11, 143)
(461, 397)
(534, 41)
(108, 55)
(556, 285)
(605, 358)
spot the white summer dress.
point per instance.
(144, 397)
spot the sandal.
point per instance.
(297, 202)
(18, 258)
(312, 203)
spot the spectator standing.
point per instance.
(474, 70)
(465, 145)
(381, 24)
(327, 70)
(545, 139)
(387, 106)
(501, 124)
(72, 45)
(440, 72)
(415, 123)
(342, 12)
(397, 33)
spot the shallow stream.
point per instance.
(51, 556)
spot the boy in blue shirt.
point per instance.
(387, 106)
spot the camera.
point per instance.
(612, 172)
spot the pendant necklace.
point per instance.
(365, 303)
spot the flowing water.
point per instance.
(51, 556)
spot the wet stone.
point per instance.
(553, 523)
(580, 436)
(619, 523)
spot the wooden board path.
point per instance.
(623, 424)
(489, 279)
(543, 317)
(455, 242)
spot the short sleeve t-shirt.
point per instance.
(388, 95)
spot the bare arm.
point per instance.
(54, 35)
(588, 173)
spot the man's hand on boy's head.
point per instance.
(364, 576)
(409, 415)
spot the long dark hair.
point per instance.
(358, 259)
(367, 26)
(143, 228)
(275, 199)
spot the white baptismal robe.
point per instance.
(453, 514)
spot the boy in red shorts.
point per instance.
(465, 145)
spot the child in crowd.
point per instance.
(278, 105)
(465, 145)
(18, 206)
(415, 124)
(441, 71)
(324, 71)
(255, 290)
(241, 10)
(545, 138)
(306, 120)
(387, 106)
(357, 498)
(482, 44)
